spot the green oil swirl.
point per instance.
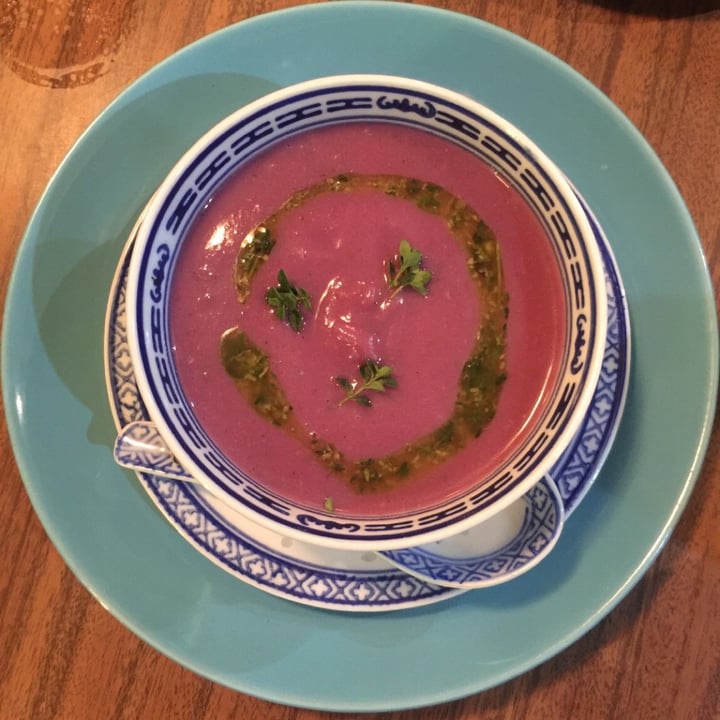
(483, 373)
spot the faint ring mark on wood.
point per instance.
(63, 43)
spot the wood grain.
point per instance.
(657, 655)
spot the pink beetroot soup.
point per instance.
(336, 247)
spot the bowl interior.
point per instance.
(432, 147)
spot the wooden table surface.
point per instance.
(657, 655)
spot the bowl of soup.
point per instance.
(366, 311)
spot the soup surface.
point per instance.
(332, 437)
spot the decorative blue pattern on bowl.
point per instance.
(324, 102)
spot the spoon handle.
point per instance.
(140, 447)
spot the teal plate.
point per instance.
(139, 568)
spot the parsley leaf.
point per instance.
(287, 300)
(404, 271)
(374, 377)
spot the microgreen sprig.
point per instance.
(408, 273)
(374, 377)
(287, 301)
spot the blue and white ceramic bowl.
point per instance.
(342, 99)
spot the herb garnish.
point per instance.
(286, 300)
(375, 377)
(409, 273)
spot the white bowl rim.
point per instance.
(332, 535)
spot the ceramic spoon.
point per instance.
(507, 545)
(140, 447)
